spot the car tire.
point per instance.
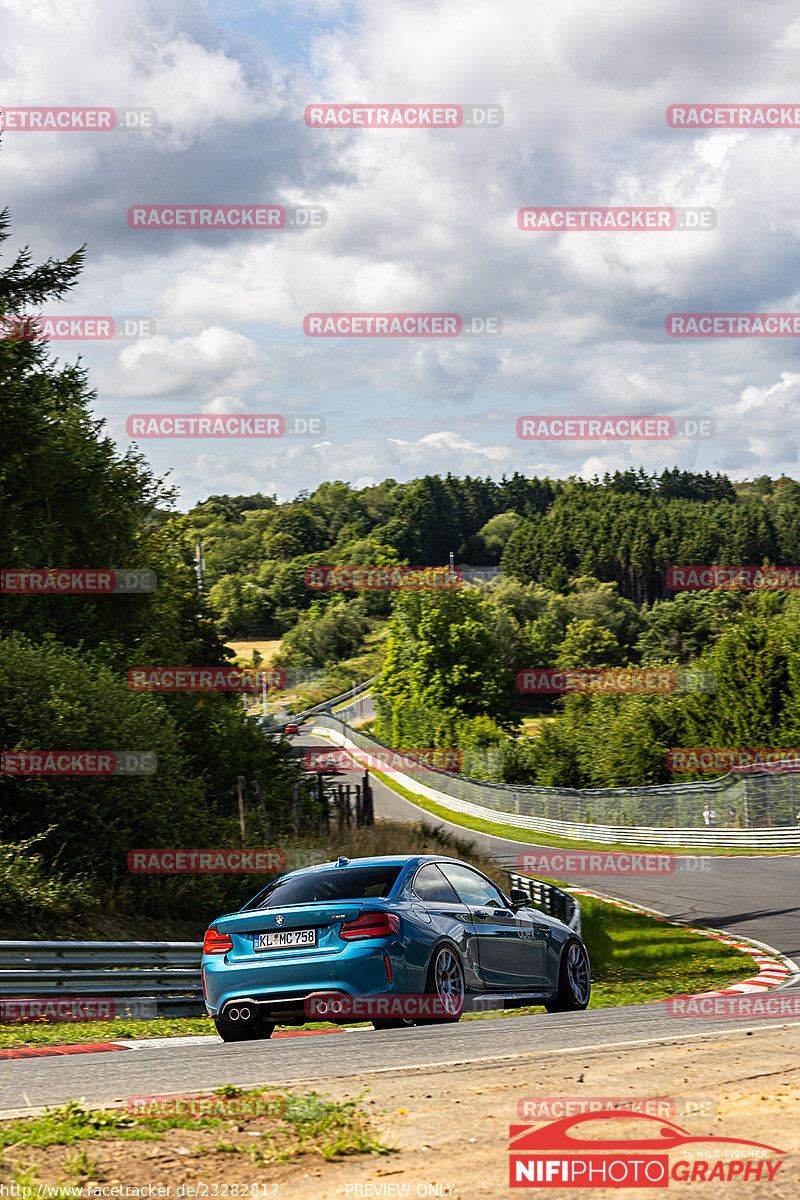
(243, 1031)
(446, 980)
(574, 980)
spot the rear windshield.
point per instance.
(338, 883)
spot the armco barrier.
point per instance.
(324, 707)
(609, 815)
(167, 973)
(550, 899)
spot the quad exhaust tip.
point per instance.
(238, 1014)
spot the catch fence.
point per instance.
(759, 809)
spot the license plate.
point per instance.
(280, 939)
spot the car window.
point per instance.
(472, 888)
(430, 884)
(336, 883)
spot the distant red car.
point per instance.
(290, 729)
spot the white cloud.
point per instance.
(422, 221)
(188, 366)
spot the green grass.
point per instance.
(336, 677)
(636, 960)
(72, 1033)
(73, 1123)
(69, 1033)
(548, 839)
(347, 703)
(530, 724)
(301, 1123)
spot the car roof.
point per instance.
(398, 860)
(377, 860)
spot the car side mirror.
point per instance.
(520, 899)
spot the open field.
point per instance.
(244, 650)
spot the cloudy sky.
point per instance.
(418, 221)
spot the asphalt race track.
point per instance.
(163, 1067)
(756, 898)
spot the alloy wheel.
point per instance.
(448, 981)
(578, 973)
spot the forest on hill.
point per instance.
(582, 583)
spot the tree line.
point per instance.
(69, 499)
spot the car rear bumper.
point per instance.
(284, 987)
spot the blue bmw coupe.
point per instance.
(396, 926)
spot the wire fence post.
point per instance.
(296, 806)
(241, 784)
(259, 799)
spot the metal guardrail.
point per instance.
(324, 706)
(167, 974)
(661, 815)
(161, 976)
(550, 899)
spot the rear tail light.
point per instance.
(370, 925)
(215, 942)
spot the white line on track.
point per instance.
(10, 1113)
(466, 1062)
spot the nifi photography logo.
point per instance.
(560, 1154)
